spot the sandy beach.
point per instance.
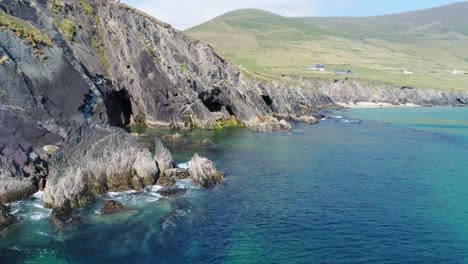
(374, 105)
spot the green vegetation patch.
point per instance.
(3, 59)
(374, 49)
(24, 29)
(87, 9)
(55, 6)
(233, 122)
(101, 51)
(184, 67)
(67, 28)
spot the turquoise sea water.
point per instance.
(390, 189)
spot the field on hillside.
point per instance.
(379, 48)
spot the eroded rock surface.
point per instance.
(203, 172)
(95, 160)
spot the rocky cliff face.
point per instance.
(353, 91)
(65, 63)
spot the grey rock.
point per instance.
(95, 160)
(203, 172)
(351, 91)
(174, 139)
(163, 156)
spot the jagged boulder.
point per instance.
(95, 160)
(6, 219)
(163, 156)
(203, 172)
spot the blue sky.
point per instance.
(183, 14)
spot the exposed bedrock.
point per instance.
(95, 160)
(353, 91)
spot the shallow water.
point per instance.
(389, 189)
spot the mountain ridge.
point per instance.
(375, 48)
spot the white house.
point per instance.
(317, 67)
(408, 72)
(458, 72)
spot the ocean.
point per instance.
(378, 185)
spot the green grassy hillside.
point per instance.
(431, 42)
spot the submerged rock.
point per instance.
(163, 156)
(205, 142)
(174, 139)
(113, 207)
(172, 192)
(203, 172)
(95, 160)
(6, 219)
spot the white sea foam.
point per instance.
(185, 184)
(120, 194)
(36, 216)
(38, 195)
(184, 165)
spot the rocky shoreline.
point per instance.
(65, 90)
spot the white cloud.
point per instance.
(183, 14)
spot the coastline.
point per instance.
(375, 105)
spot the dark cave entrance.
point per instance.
(119, 108)
(267, 99)
(212, 101)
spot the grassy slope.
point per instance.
(376, 48)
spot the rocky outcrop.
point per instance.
(203, 172)
(6, 219)
(174, 139)
(162, 156)
(95, 160)
(348, 91)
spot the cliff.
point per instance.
(66, 63)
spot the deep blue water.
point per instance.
(391, 189)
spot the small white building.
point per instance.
(458, 72)
(317, 67)
(408, 72)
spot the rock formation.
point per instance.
(95, 160)
(350, 91)
(163, 156)
(203, 172)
